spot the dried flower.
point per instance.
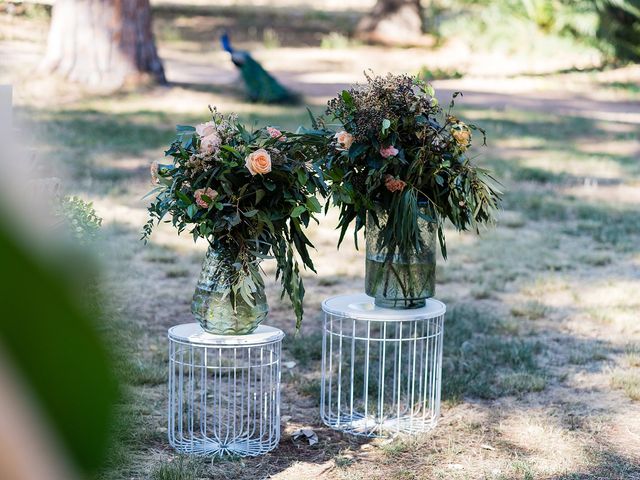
(462, 135)
(394, 184)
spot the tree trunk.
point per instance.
(393, 22)
(104, 43)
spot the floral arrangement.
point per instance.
(398, 151)
(252, 192)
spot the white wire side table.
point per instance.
(224, 391)
(381, 368)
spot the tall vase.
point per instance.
(214, 304)
(400, 279)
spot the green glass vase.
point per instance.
(215, 306)
(400, 279)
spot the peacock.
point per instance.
(260, 85)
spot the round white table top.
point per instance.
(194, 334)
(362, 307)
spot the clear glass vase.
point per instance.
(398, 279)
(215, 306)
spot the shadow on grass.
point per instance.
(117, 147)
(555, 136)
(484, 358)
(608, 465)
(612, 225)
(272, 25)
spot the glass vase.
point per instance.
(400, 279)
(215, 306)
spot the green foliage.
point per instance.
(429, 74)
(80, 219)
(337, 41)
(613, 26)
(619, 27)
(403, 154)
(249, 192)
(180, 468)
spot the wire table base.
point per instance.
(381, 368)
(224, 391)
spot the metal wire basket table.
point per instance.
(224, 391)
(381, 368)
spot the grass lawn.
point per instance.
(541, 368)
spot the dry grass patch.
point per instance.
(628, 381)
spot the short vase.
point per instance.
(400, 279)
(215, 306)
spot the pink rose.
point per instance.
(210, 143)
(258, 162)
(208, 192)
(275, 133)
(389, 151)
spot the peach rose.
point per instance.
(344, 139)
(154, 173)
(389, 151)
(206, 129)
(462, 135)
(275, 133)
(208, 192)
(394, 184)
(210, 143)
(258, 162)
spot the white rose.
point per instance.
(206, 129)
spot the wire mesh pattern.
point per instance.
(224, 391)
(381, 368)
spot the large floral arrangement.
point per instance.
(398, 151)
(251, 191)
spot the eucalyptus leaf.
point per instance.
(296, 212)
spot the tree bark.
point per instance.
(104, 43)
(393, 22)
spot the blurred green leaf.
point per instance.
(55, 347)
